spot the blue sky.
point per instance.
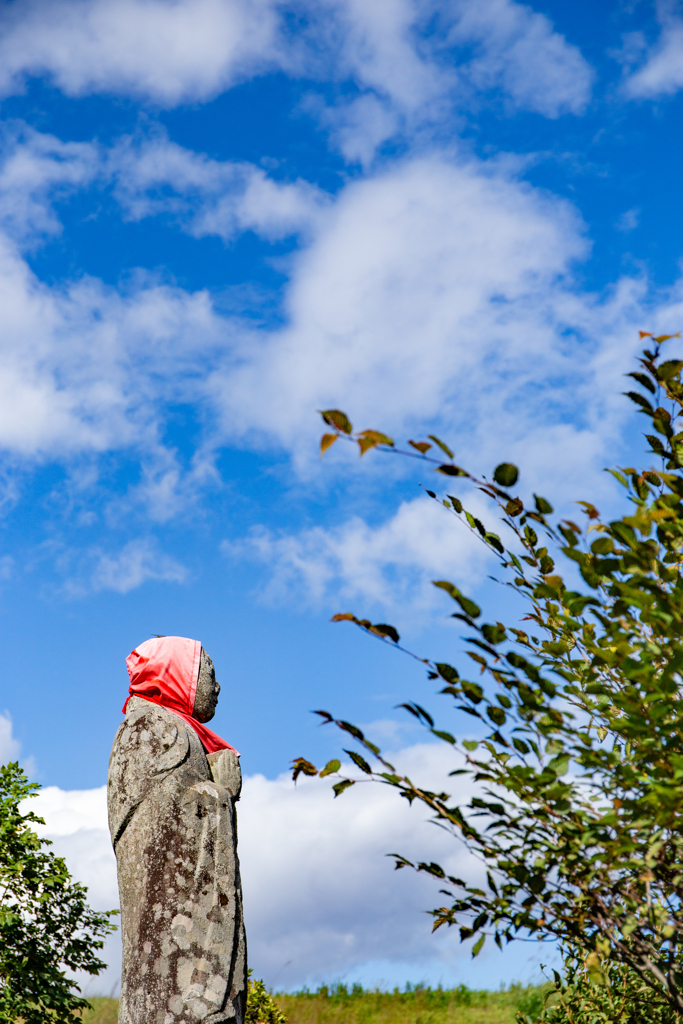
(218, 216)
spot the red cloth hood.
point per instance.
(165, 671)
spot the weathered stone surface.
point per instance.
(173, 825)
(206, 696)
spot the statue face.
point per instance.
(208, 689)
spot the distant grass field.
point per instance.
(340, 1005)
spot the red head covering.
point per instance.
(165, 671)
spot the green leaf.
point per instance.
(668, 369)
(330, 768)
(640, 400)
(620, 476)
(494, 634)
(494, 540)
(469, 607)
(506, 475)
(470, 744)
(560, 764)
(497, 715)
(449, 470)
(457, 504)
(447, 672)
(341, 786)
(472, 691)
(542, 505)
(382, 629)
(359, 761)
(477, 947)
(644, 381)
(442, 446)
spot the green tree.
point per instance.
(46, 926)
(261, 1007)
(609, 994)
(579, 812)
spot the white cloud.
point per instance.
(440, 292)
(150, 175)
(167, 52)
(628, 221)
(402, 50)
(76, 825)
(209, 197)
(661, 73)
(37, 169)
(321, 897)
(389, 565)
(137, 562)
(413, 61)
(434, 293)
(10, 747)
(76, 360)
(520, 54)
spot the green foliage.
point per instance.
(46, 925)
(579, 814)
(611, 994)
(261, 1007)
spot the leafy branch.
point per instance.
(579, 808)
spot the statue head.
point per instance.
(206, 697)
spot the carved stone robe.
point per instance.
(173, 826)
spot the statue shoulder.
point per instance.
(152, 737)
(148, 746)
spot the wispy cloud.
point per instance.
(9, 745)
(153, 175)
(390, 565)
(429, 294)
(190, 51)
(661, 66)
(139, 561)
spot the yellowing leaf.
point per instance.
(336, 418)
(377, 437)
(421, 446)
(365, 444)
(371, 438)
(326, 441)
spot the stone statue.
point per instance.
(172, 790)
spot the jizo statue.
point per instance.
(172, 790)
